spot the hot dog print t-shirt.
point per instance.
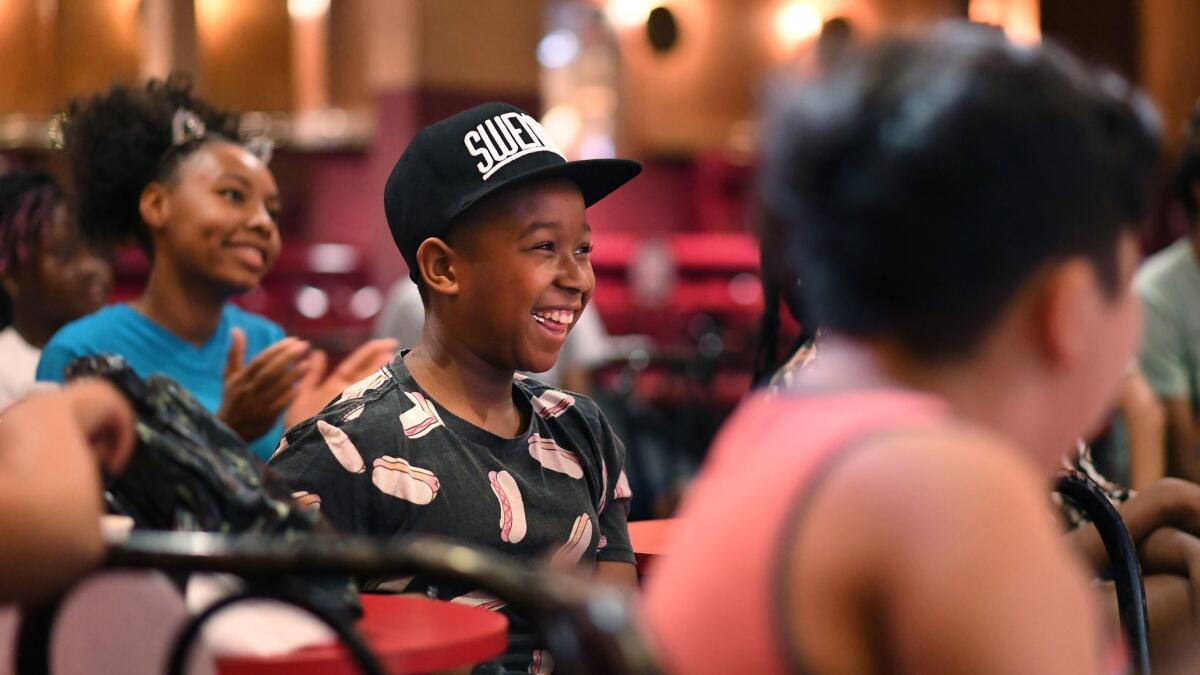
(384, 459)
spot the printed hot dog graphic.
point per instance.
(420, 419)
(577, 544)
(512, 507)
(552, 403)
(342, 447)
(310, 501)
(281, 447)
(396, 477)
(543, 663)
(372, 381)
(553, 456)
(395, 585)
(622, 491)
(481, 600)
(603, 488)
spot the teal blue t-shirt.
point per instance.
(149, 348)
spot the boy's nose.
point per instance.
(576, 276)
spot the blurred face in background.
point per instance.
(63, 279)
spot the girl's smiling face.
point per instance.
(216, 217)
(522, 275)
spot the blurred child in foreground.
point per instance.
(962, 214)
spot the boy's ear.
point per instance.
(1070, 304)
(154, 206)
(437, 263)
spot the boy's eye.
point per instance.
(234, 195)
(586, 249)
(544, 246)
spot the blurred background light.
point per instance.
(629, 13)
(307, 9)
(563, 123)
(366, 302)
(332, 258)
(745, 289)
(597, 146)
(312, 302)
(558, 48)
(796, 22)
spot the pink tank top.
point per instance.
(711, 603)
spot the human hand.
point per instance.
(316, 389)
(105, 419)
(53, 449)
(256, 393)
(89, 415)
(1167, 501)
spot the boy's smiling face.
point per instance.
(521, 275)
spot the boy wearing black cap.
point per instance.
(447, 439)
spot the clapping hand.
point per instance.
(317, 388)
(257, 392)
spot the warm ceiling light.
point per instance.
(796, 22)
(629, 13)
(307, 9)
(563, 124)
(558, 48)
(1020, 19)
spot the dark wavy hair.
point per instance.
(119, 141)
(924, 180)
(28, 198)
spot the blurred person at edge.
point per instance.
(961, 211)
(163, 168)
(48, 274)
(1168, 285)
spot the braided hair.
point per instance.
(28, 198)
(119, 141)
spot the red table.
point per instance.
(409, 634)
(649, 540)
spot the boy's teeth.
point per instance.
(557, 316)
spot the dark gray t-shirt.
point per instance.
(384, 459)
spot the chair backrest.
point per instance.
(118, 621)
(1125, 568)
(588, 630)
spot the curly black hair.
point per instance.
(119, 141)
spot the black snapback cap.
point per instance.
(451, 165)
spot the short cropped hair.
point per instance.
(923, 180)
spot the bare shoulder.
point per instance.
(907, 528)
(933, 480)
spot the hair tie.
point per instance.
(186, 126)
(260, 146)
